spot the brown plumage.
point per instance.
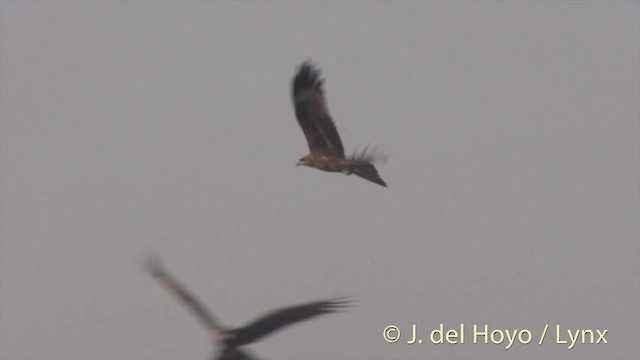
(231, 339)
(325, 147)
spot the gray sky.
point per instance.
(513, 139)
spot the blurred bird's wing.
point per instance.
(287, 316)
(157, 270)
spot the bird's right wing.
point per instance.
(287, 316)
(157, 270)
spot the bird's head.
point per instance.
(305, 160)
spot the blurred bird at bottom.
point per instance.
(230, 339)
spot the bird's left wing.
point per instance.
(287, 316)
(157, 270)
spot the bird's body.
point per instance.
(231, 339)
(330, 163)
(229, 353)
(326, 152)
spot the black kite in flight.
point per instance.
(325, 147)
(231, 339)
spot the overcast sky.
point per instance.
(512, 134)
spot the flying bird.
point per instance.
(231, 339)
(325, 147)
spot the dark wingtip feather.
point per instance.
(153, 264)
(336, 304)
(308, 76)
(368, 157)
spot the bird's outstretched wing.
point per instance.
(155, 267)
(312, 113)
(231, 353)
(287, 316)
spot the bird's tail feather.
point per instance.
(369, 172)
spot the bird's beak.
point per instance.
(298, 163)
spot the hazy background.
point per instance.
(513, 139)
